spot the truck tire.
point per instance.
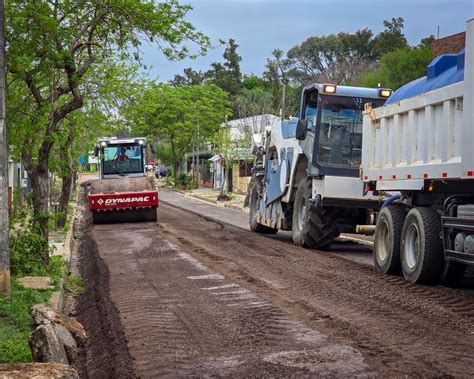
(254, 225)
(314, 226)
(422, 249)
(387, 239)
(453, 272)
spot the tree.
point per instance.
(286, 95)
(254, 102)
(344, 57)
(52, 45)
(182, 116)
(427, 41)
(189, 77)
(392, 38)
(334, 58)
(231, 147)
(4, 253)
(399, 67)
(227, 75)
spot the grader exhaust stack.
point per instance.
(124, 192)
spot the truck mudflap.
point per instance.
(121, 200)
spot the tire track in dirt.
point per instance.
(182, 318)
(401, 328)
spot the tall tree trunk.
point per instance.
(68, 178)
(66, 189)
(176, 171)
(38, 174)
(4, 250)
(40, 186)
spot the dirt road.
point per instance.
(192, 296)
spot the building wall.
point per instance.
(17, 178)
(240, 183)
(449, 45)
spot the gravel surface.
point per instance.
(190, 296)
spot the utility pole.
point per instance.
(283, 95)
(283, 91)
(4, 253)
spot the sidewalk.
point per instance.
(210, 195)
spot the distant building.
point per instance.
(18, 183)
(448, 45)
(238, 177)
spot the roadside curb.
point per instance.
(214, 201)
(208, 200)
(57, 299)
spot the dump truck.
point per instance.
(421, 145)
(123, 192)
(307, 176)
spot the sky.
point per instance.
(259, 26)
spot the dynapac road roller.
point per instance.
(124, 192)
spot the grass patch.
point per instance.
(15, 321)
(74, 285)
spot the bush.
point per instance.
(26, 250)
(16, 323)
(184, 179)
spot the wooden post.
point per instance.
(4, 253)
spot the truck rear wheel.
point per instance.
(422, 249)
(388, 232)
(313, 226)
(254, 206)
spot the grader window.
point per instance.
(340, 132)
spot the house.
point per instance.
(18, 184)
(241, 131)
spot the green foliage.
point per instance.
(169, 181)
(74, 285)
(227, 76)
(339, 58)
(26, 249)
(179, 117)
(16, 323)
(27, 245)
(332, 58)
(54, 49)
(185, 181)
(189, 78)
(17, 203)
(391, 38)
(399, 67)
(251, 82)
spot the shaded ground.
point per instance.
(192, 296)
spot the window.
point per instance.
(245, 168)
(310, 114)
(340, 132)
(122, 159)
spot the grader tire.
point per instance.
(314, 226)
(254, 225)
